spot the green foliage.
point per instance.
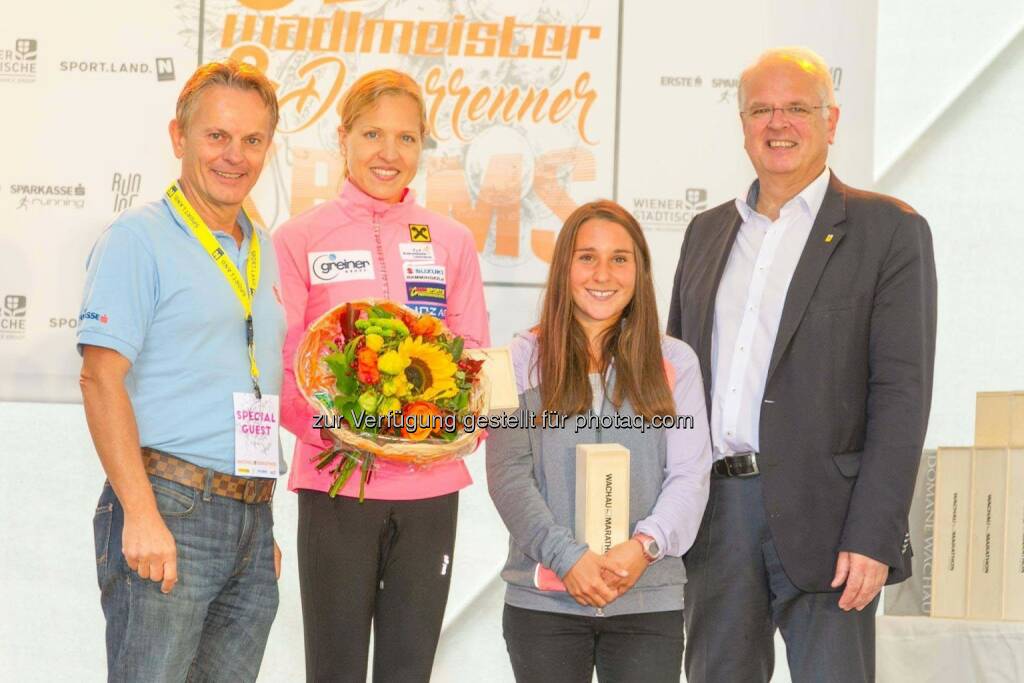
(456, 349)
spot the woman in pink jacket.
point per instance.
(387, 560)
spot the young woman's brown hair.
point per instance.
(632, 344)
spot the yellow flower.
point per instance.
(430, 370)
(368, 401)
(396, 386)
(374, 341)
(389, 405)
(393, 362)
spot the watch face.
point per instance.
(652, 548)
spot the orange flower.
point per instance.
(423, 417)
(425, 326)
(366, 370)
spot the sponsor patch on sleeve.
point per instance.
(92, 315)
(416, 251)
(423, 272)
(326, 267)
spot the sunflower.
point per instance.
(430, 371)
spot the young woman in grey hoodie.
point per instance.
(597, 358)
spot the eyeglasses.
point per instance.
(793, 112)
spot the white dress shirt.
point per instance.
(748, 308)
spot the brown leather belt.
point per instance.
(739, 465)
(245, 489)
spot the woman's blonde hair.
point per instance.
(369, 88)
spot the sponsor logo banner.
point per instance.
(410, 251)
(696, 199)
(339, 266)
(424, 272)
(681, 82)
(419, 233)
(18, 64)
(165, 68)
(13, 316)
(32, 196)
(63, 323)
(77, 66)
(425, 291)
(520, 104)
(670, 213)
(125, 188)
(428, 309)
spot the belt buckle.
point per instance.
(249, 495)
(751, 457)
(729, 472)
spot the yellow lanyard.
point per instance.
(244, 289)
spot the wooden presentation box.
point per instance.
(951, 532)
(999, 419)
(988, 534)
(1013, 573)
(602, 495)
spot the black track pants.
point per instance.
(385, 562)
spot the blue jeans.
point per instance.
(214, 625)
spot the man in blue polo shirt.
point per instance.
(181, 332)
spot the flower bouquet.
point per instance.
(390, 384)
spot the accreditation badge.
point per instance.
(256, 434)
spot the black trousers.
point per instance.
(385, 562)
(737, 594)
(547, 647)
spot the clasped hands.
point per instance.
(597, 580)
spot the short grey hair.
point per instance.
(804, 57)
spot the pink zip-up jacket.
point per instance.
(357, 247)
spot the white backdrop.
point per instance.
(680, 139)
(518, 141)
(521, 99)
(662, 131)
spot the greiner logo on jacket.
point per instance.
(334, 266)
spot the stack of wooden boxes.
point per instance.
(978, 560)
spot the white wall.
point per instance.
(950, 139)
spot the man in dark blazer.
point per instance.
(811, 306)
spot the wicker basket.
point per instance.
(317, 384)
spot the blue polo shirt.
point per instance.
(153, 294)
